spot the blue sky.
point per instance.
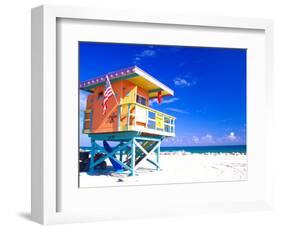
(209, 83)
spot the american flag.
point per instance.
(108, 92)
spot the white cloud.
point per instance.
(178, 81)
(232, 136)
(164, 101)
(153, 101)
(145, 53)
(195, 139)
(207, 139)
(203, 140)
(177, 140)
(177, 110)
(171, 100)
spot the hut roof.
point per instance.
(133, 74)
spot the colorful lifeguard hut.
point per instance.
(136, 128)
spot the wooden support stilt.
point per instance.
(158, 156)
(133, 158)
(148, 155)
(92, 159)
(121, 156)
(138, 149)
(128, 116)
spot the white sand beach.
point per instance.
(178, 168)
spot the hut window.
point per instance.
(100, 95)
(141, 100)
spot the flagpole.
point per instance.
(112, 89)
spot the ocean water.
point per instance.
(202, 149)
(207, 149)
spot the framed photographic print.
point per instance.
(142, 114)
(133, 126)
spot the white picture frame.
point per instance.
(47, 184)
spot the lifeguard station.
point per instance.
(136, 128)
